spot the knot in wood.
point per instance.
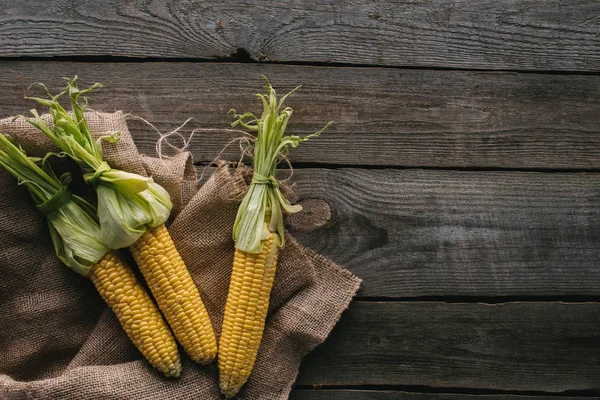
(315, 214)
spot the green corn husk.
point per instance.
(128, 204)
(261, 210)
(73, 226)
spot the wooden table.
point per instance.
(461, 179)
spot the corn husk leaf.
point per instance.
(261, 210)
(74, 230)
(128, 204)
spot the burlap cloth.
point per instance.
(59, 340)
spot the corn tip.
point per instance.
(203, 360)
(174, 370)
(228, 390)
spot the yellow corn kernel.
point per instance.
(176, 294)
(139, 317)
(245, 314)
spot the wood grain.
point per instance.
(483, 34)
(423, 233)
(348, 394)
(551, 347)
(411, 233)
(383, 117)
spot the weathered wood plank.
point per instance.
(382, 116)
(436, 233)
(482, 34)
(340, 394)
(415, 233)
(551, 347)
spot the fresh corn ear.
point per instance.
(138, 315)
(78, 242)
(132, 211)
(258, 235)
(176, 294)
(245, 314)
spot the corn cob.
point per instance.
(139, 317)
(245, 314)
(258, 234)
(175, 293)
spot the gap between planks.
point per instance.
(428, 393)
(246, 60)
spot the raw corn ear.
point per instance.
(258, 234)
(136, 312)
(176, 294)
(245, 314)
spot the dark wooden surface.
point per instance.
(412, 233)
(535, 346)
(482, 34)
(461, 179)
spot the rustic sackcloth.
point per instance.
(59, 340)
